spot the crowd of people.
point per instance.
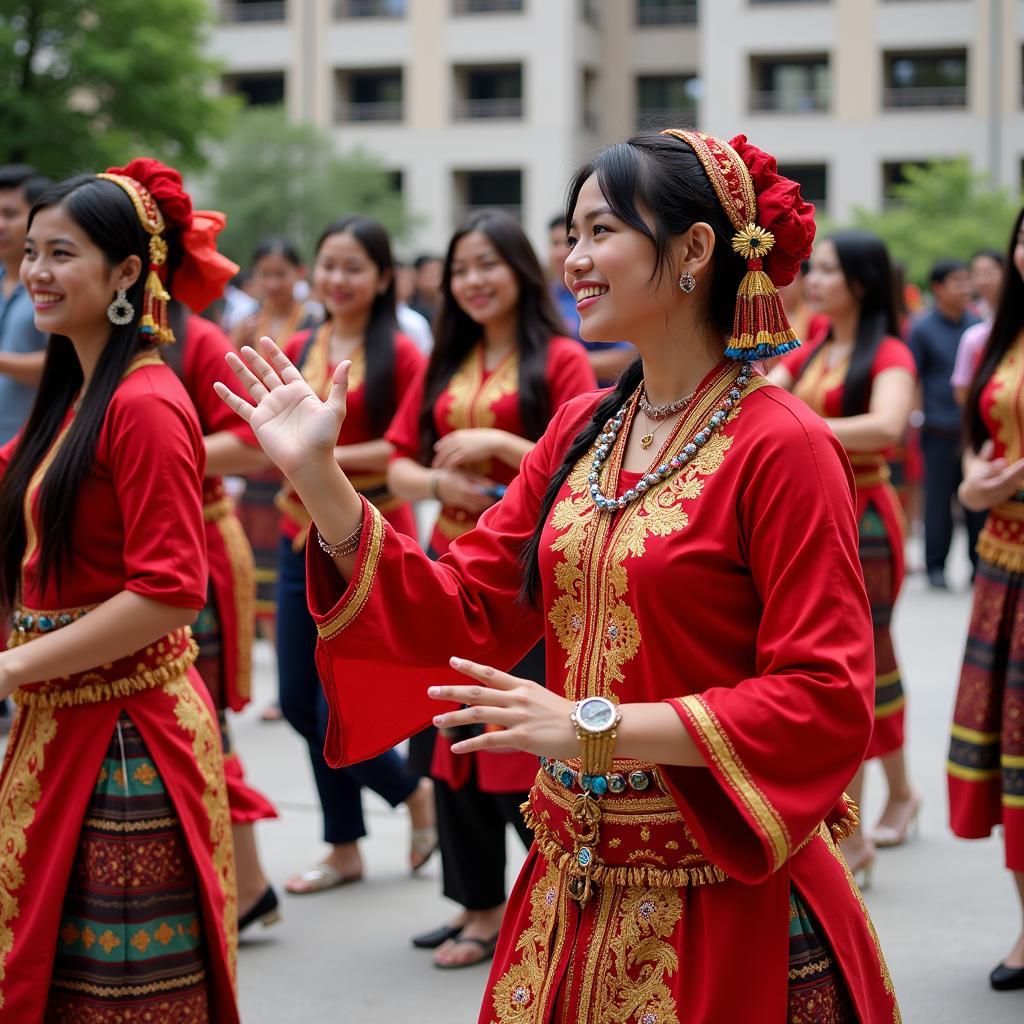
(611, 472)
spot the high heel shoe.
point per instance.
(888, 836)
(863, 869)
(265, 910)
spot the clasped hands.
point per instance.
(531, 717)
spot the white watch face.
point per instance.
(595, 714)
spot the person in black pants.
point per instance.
(934, 340)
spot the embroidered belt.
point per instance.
(642, 841)
(161, 662)
(1001, 541)
(614, 782)
(869, 470)
(453, 523)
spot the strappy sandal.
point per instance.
(423, 844)
(318, 878)
(486, 947)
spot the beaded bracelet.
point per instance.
(348, 546)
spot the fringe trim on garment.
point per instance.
(848, 823)
(646, 874)
(1005, 554)
(100, 690)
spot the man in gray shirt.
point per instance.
(22, 347)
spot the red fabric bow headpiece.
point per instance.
(162, 204)
(774, 231)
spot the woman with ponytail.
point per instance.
(986, 754)
(862, 379)
(119, 896)
(687, 546)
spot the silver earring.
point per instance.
(121, 311)
(687, 282)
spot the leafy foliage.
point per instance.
(943, 210)
(274, 177)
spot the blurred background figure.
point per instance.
(426, 293)
(987, 284)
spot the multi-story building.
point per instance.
(493, 102)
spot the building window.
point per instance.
(589, 104)
(370, 95)
(488, 92)
(487, 6)
(765, 3)
(478, 190)
(666, 12)
(666, 101)
(252, 10)
(370, 8)
(812, 179)
(789, 85)
(258, 89)
(894, 173)
(396, 180)
(919, 79)
(589, 12)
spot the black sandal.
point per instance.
(437, 937)
(487, 947)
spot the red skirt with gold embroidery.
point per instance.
(54, 756)
(667, 937)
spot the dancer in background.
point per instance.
(687, 544)
(353, 276)
(499, 371)
(986, 756)
(115, 756)
(861, 380)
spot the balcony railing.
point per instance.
(370, 9)
(384, 110)
(667, 14)
(776, 102)
(512, 209)
(657, 118)
(265, 10)
(934, 96)
(487, 6)
(471, 110)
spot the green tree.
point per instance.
(276, 177)
(943, 210)
(89, 83)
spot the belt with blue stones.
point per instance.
(24, 621)
(597, 785)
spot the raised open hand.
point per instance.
(295, 428)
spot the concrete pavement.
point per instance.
(944, 909)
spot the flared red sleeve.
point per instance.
(388, 634)
(782, 745)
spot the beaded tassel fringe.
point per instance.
(760, 328)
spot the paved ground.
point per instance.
(943, 908)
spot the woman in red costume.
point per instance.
(498, 371)
(986, 754)
(862, 379)
(115, 758)
(687, 543)
(353, 275)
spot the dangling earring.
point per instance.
(121, 311)
(687, 282)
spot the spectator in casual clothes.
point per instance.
(934, 340)
(427, 293)
(607, 360)
(22, 347)
(987, 283)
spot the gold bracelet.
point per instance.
(345, 547)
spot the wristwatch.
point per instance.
(596, 720)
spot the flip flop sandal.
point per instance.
(423, 844)
(437, 937)
(319, 878)
(486, 946)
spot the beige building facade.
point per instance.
(493, 102)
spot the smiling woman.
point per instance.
(685, 865)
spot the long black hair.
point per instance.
(382, 324)
(457, 333)
(277, 245)
(1007, 325)
(864, 261)
(106, 215)
(661, 176)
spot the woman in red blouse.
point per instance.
(353, 276)
(498, 371)
(861, 378)
(115, 756)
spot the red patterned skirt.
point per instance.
(130, 946)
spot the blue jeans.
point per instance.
(305, 708)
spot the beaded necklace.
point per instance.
(606, 441)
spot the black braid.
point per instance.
(606, 409)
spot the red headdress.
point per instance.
(774, 231)
(162, 204)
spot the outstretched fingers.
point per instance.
(260, 368)
(234, 402)
(249, 380)
(282, 365)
